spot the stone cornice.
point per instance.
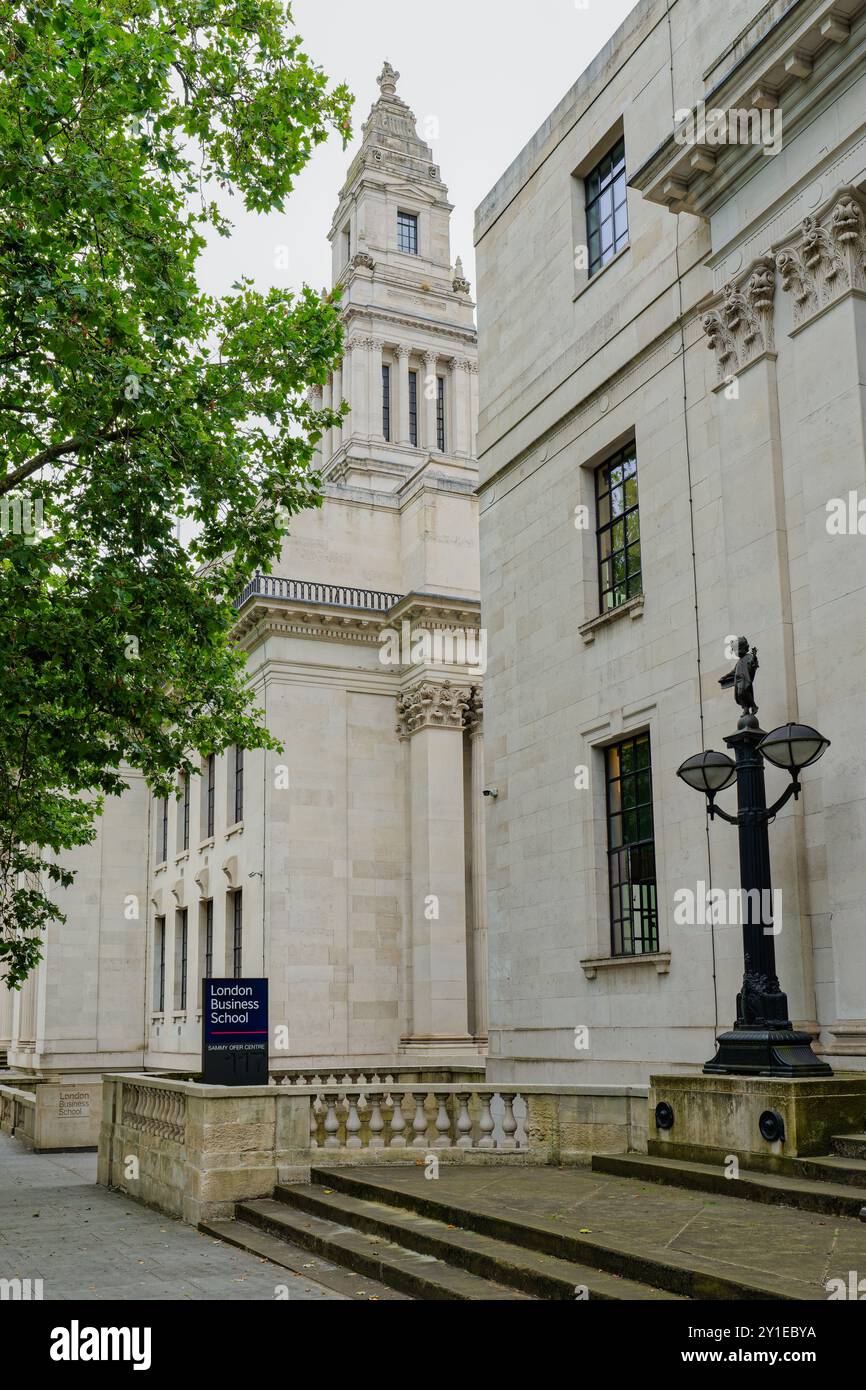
(439, 328)
(787, 67)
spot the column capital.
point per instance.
(401, 350)
(474, 717)
(431, 357)
(432, 705)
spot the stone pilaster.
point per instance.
(431, 716)
(475, 723)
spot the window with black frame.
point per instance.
(631, 848)
(440, 414)
(239, 785)
(618, 523)
(386, 400)
(413, 409)
(181, 927)
(237, 933)
(211, 794)
(162, 832)
(407, 233)
(159, 965)
(184, 811)
(606, 208)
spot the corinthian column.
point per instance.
(357, 373)
(462, 406)
(336, 401)
(401, 352)
(430, 715)
(374, 389)
(430, 387)
(327, 438)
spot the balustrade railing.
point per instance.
(389, 1115)
(327, 595)
(149, 1110)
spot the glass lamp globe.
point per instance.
(794, 746)
(708, 772)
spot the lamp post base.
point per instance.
(756, 1051)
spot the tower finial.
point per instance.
(387, 80)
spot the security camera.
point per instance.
(491, 791)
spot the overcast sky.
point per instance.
(484, 73)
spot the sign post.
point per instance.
(234, 1045)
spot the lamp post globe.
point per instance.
(793, 747)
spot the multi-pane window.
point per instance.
(237, 933)
(606, 208)
(239, 784)
(413, 409)
(180, 958)
(159, 965)
(347, 242)
(162, 831)
(184, 811)
(210, 795)
(407, 232)
(631, 848)
(618, 522)
(208, 938)
(205, 947)
(386, 400)
(440, 414)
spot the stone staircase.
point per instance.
(421, 1246)
(833, 1184)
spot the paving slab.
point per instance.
(87, 1243)
(769, 1247)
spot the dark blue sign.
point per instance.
(234, 1048)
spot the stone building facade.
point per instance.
(349, 868)
(672, 338)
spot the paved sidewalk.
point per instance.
(87, 1243)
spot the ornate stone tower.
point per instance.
(410, 370)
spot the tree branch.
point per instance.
(56, 451)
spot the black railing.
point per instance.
(325, 595)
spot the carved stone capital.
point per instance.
(401, 350)
(826, 257)
(474, 719)
(740, 328)
(431, 705)
(430, 360)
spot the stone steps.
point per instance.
(655, 1270)
(530, 1272)
(410, 1272)
(825, 1185)
(849, 1145)
(291, 1256)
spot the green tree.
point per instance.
(130, 399)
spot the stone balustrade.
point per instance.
(373, 1118)
(194, 1151)
(18, 1113)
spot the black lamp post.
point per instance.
(763, 1040)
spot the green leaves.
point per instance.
(129, 400)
